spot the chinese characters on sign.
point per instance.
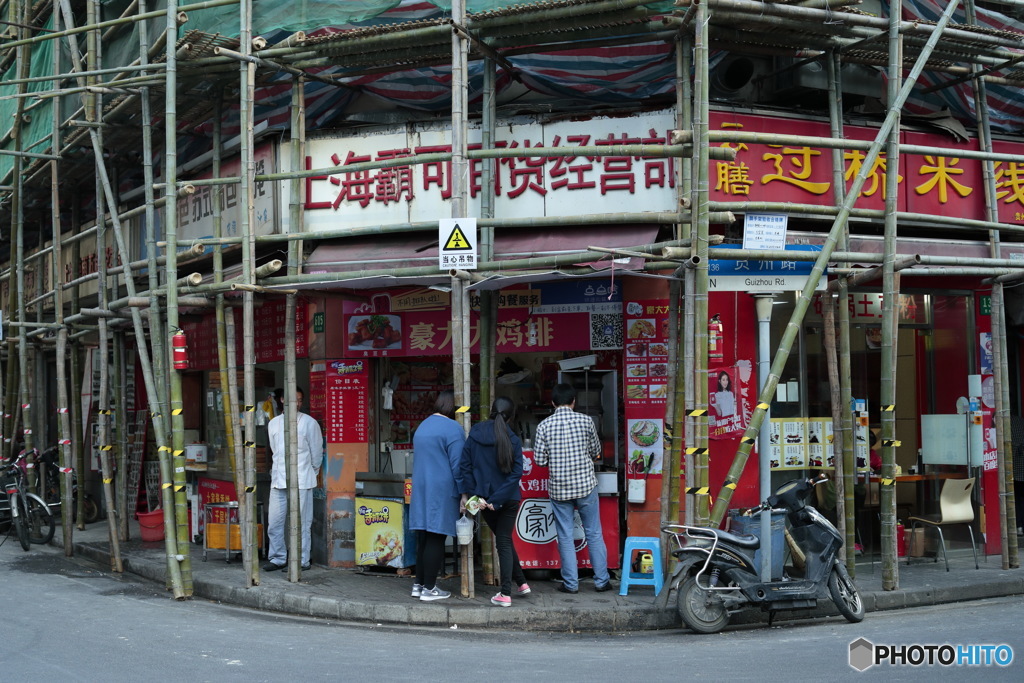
(456, 238)
(347, 385)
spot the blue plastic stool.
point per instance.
(631, 578)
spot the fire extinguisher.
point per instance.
(716, 343)
(180, 346)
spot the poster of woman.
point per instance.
(727, 393)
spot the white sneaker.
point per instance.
(417, 589)
(435, 593)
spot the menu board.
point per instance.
(646, 354)
(798, 443)
(347, 385)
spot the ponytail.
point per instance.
(502, 412)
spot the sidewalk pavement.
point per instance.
(380, 597)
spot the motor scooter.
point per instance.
(716, 575)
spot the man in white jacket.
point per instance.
(310, 455)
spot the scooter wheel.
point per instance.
(701, 610)
(844, 594)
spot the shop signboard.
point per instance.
(550, 316)
(558, 186)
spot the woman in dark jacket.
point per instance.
(492, 465)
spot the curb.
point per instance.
(571, 619)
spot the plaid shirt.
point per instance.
(567, 443)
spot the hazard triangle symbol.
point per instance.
(457, 241)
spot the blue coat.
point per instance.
(437, 448)
(480, 475)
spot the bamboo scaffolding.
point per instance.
(890, 319)
(803, 302)
(174, 465)
(488, 302)
(1000, 351)
(298, 154)
(838, 335)
(247, 497)
(92, 105)
(64, 431)
(92, 26)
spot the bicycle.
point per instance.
(29, 515)
(50, 472)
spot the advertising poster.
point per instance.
(729, 400)
(381, 540)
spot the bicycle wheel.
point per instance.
(20, 520)
(40, 520)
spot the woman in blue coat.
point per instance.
(434, 504)
(492, 465)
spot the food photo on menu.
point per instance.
(376, 331)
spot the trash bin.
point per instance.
(739, 524)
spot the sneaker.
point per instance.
(417, 589)
(523, 589)
(307, 566)
(272, 567)
(604, 587)
(501, 600)
(435, 593)
(562, 588)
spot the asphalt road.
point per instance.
(74, 621)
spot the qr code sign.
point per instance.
(605, 331)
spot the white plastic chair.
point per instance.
(955, 507)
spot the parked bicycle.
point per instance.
(49, 462)
(26, 512)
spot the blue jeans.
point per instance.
(591, 518)
(276, 522)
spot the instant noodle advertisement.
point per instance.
(381, 538)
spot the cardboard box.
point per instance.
(215, 536)
(915, 541)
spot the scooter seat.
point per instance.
(741, 540)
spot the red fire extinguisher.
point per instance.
(179, 344)
(716, 343)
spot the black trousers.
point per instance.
(501, 522)
(429, 557)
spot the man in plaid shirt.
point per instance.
(567, 443)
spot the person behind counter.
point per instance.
(567, 442)
(310, 444)
(492, 465)
(434, 503)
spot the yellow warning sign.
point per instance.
(457, 241)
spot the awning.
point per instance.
(412, 250)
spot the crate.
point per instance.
(215, 536)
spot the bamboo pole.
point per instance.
(67, 512)
(645, 218)
(842, 429)
(121, 430)
(1004, 459)
(699, 204)
(803, 302)
(176, 461)
(295, 224)
(247, 497)
(103, 412)
(488, 336)
(890, 318)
